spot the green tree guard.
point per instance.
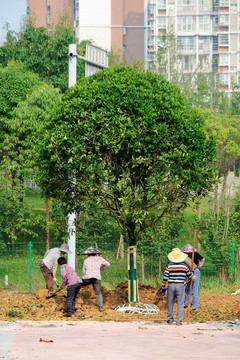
(132, 272)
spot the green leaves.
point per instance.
(132, 144)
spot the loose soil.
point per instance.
(29, 306)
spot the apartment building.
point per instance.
(110, 24)
(208, 32)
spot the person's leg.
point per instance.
(78, 287)
(48, 277)
(98, 293)
(180, 289)
(187, 294)
(71, 290)
(170, 302)
(195, 287)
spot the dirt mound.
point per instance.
(28, 306)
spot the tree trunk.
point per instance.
(132, 273)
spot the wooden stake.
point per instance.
(190, 289)
(142, 267)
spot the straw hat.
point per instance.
(188, 249)
(65, 248)
(91, 251)
(176, 256)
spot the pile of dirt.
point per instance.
(29, 306)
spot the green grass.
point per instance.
(16, 263)
(34, 199)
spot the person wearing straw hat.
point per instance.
(176, 273)
(198, 261)
(91, 273)
(49, 264)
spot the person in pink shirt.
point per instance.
(92, 267)
(73, 283)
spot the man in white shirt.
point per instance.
(92, 268)
(49, 264)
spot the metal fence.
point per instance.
(19, 265)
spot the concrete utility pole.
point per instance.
(97, 60)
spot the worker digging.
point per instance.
(92, 267)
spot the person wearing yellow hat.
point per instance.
(175, 274)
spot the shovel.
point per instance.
(160, 295)
(53, 294)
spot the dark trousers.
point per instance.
(72, 292)
(96, 287)
(48, 276)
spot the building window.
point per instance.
(215, 43)
(187, 5)
(186, 23)
(223, 40)
(187, 42)
(161, 22)
(204, 43)
(223, 59)
(223, 19)
(204, 23)
(215, 23)
(204, 62)
(214, 5)
(223, 3)
(189, 62)
(223, 79)
(233, 8)
(162, 4)
(204, 5)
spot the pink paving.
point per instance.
(126, 341)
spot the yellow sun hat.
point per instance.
(177, 256)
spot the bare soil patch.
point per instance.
(29, 306)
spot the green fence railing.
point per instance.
(19, 265)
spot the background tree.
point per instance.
(17, 218)
(16, 83)
(132, 143)
(199, 84)
(43, 53)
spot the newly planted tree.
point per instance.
(128, 140)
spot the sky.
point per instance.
(13, 12)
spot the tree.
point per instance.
(16, 83)
(199, 83)
(16, 216)
(129, 141)
(28, 119)
(43, 53)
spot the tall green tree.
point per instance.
(21, 144)
(129, 141)
(16, 83)
(43, 53)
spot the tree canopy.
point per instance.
(129, 140)
(43, 53)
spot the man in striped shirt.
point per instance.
(176, 273)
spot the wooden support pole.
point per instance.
(190, 289)
(142, 267)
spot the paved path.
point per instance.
(90, 340)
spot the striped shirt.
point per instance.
(176, 273)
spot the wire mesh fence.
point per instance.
(19, 266)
